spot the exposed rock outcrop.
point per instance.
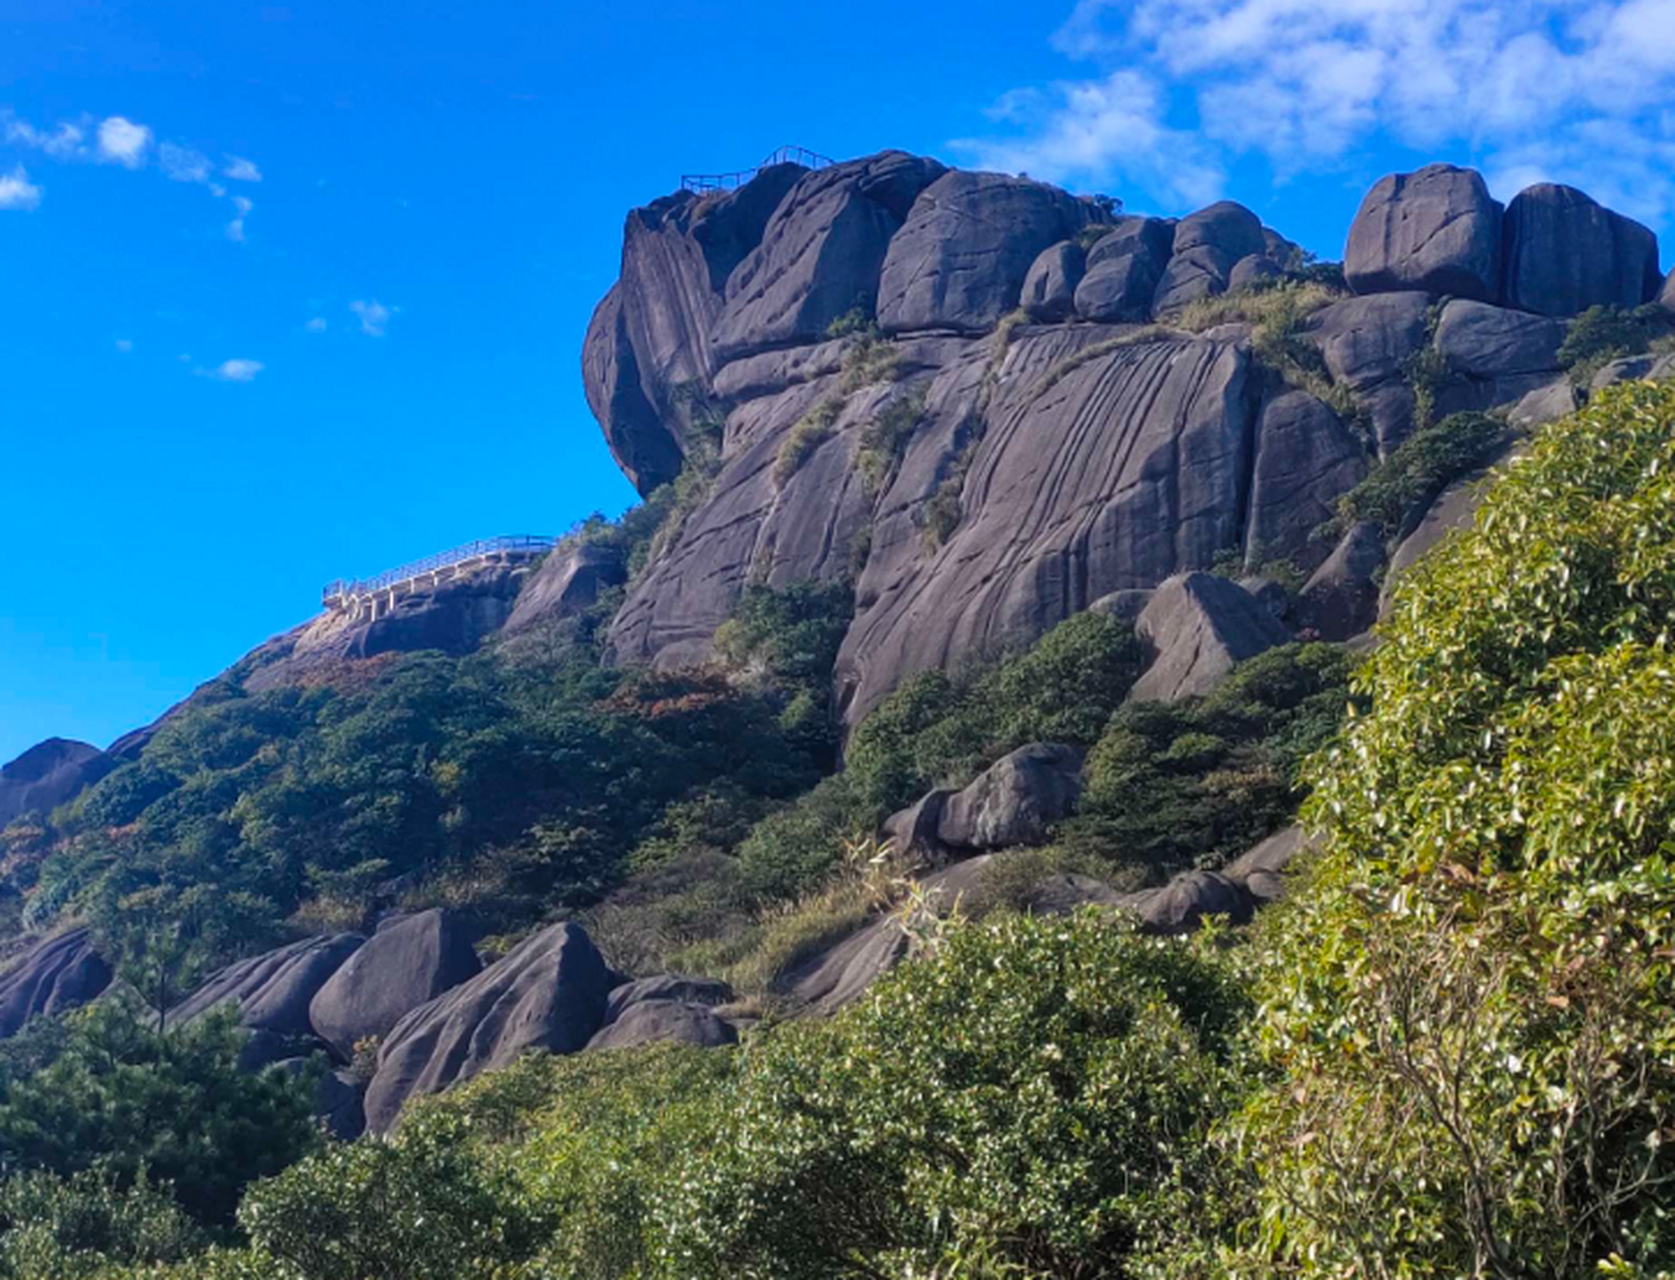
(54, 976)
(569, 581)
(1436, 230)
(273, 991)
(665, 1022)
(1340, 599)
(397, 970)
(49, 774)
(1049, 292)
(1197, 627)
(710, 992)
(1497, 355)
(1015, 801)
(548, 993)
(1566, 253)
(1305, 459)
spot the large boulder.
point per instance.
(1225, 226)
(821, 253)
(1049, 293)
(1198, 627)
(397, 970)
(841, 974)
(1646, 368)
(710, 992)
(337, 1096)
(1305, 459)
(1262, 869)
(1340, 599)
(49, 774)
(569, 582)
(1119, 289)
(54, 976)
(548, 993)
(1565, 253)
(1015, 801)
(273, 991)
(1436, 230)
(913, 831)
(665, 1022)
(1182, 905)
(960, 260)
(1251, 271)
(1199, 272)
(1366, 344)
(1495, 355)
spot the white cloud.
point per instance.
(242, 205)
(17, 192)
(374, 317)
(61, 143)
(241, 170)
(235, 230)
(123, 142)
(183, 164)
(316, 325)
(237, 370)
(1528, 85)
(124, 345)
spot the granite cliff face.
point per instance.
(1066, 437)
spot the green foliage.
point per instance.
(869, 358)
(1419, 469)
(1171, 785)
(1034, 1092)
(858, 319)
(121, 1097)
(788, 636)
(83, 1226)
(806, 435)
(1471, 1007)
(667, 510)
(1603, 334)
(884, 439)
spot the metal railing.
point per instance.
(702, 182)
(342, 591)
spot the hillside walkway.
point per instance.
(704, 182)
(435, 569)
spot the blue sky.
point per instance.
(297, 291)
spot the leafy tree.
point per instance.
(122, 1097)
(86, 1225)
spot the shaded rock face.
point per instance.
(273, 992)
(914, 830)
(569, 581)
(1497, 355)
(1340, 599)
(54, 976)
(548, 993)
(1198, 627)
(1225, 226)
(665, 1022)
(1365, 344)
(397, 970)
(710, 992)
(1454, 508)
(1305, 458)
(1049, 292)
(960, 260)
(1565, 253)
(1015, 801)
(1182, 905)
(1436, 230)
(49, 774)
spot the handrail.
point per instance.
(702, 182)
(344, 590)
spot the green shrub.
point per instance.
(1470, 1009)
(84, 1226)
(1419, 469)
(885, 438)
(1603, 334)
(1034, 1091)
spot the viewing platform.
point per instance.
(433, 570)
(706, 182)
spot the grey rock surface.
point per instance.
(665, 1022)
(1340, 599)
(1199, 272)
(1262, 870)
(1119, 290)
(1252, 270)
(1565, 253)
(1198, 627)
(568, 582)
(1558, 399)
(1049, 292)
(1305, 459)
(1496, 355)
(1225, 226)
(54, 976)
(913, 830)
(49, 774)
(1436, 230)
(1650, 368)
(1015, 801)
(273, 991)
(548, 993)
(960, 260)
(397, 970)
(1182, 905)
(1454, 508)
(711, 992)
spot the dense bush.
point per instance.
(1419, 469)
(120, 1097)
(86, 1225)
(1170, 785)
(1472, 1006)
(1603, 334)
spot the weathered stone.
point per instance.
(1198, 627)
(1016, 800)
(1065, 892)
(49, 774)
(1181, 905)
(1049, 293)
(1558, 399)
(1154, 237)
(1366, 341)
(1566, 253)
(1340, 599)
(548, 993)
(913, 830)
(820, 254)
(1305, 458)
(667, 986)
(1436, 230)
(1455, 508)
(1198, 272)
(1226, 226)
(1251, 270)
(396, 971)
(1119, 289)
(54, 976)
(665, 1022)
(1262, 869)
(273, 991)
(1666, 294)
(1649, 368)
(569, 581)
(960, 260)
(842, 973)
(1497, 356)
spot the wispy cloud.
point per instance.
(1572, 90)
(236, 370)
(241, 170)
(374, 317)
(61, 143)
(183, 164)
(316, 325)
(123, 142)
(17, 192)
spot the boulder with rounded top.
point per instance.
(1437, 230)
